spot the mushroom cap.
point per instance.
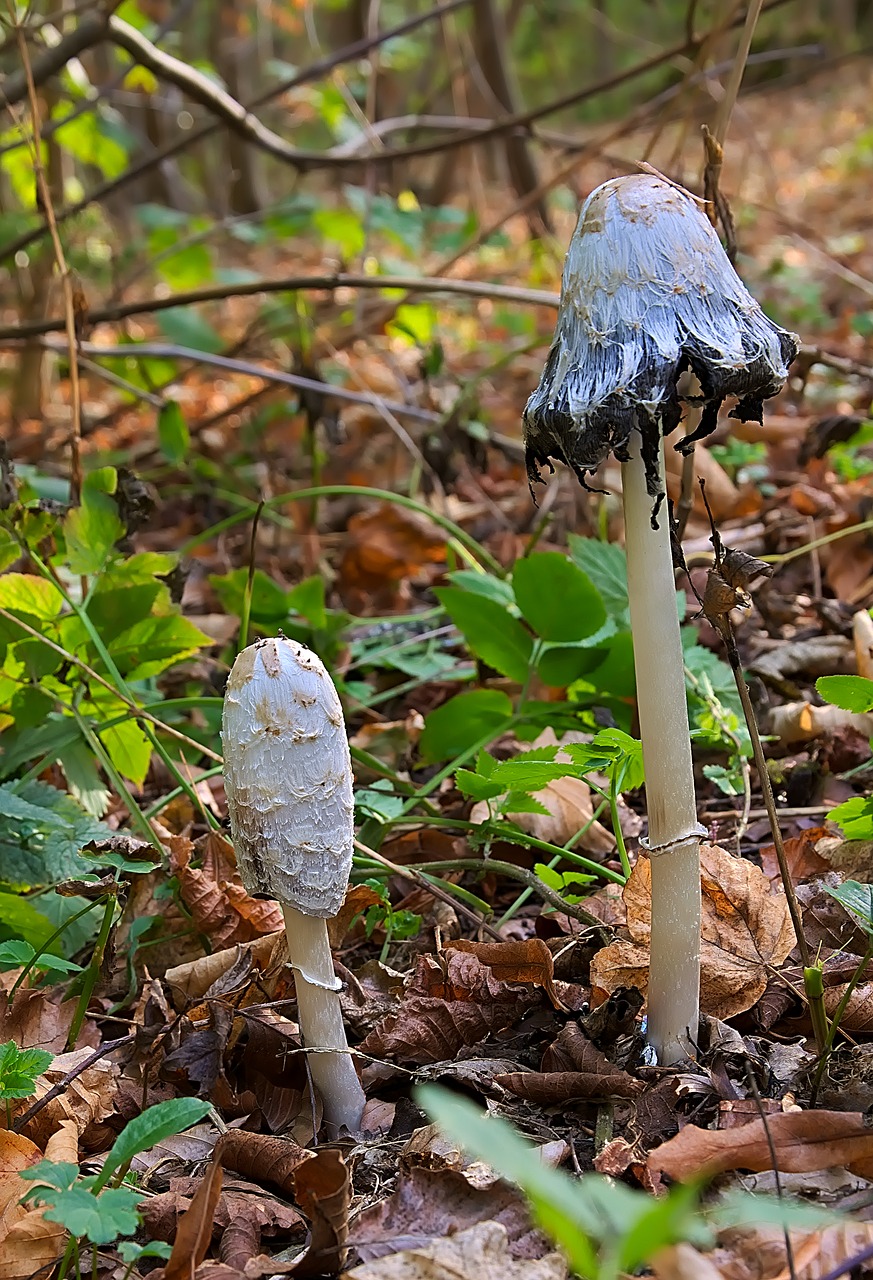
(647, 293)
(288, 777)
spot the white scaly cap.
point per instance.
(288, 777)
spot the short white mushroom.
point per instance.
(288, 779)
(648, 293)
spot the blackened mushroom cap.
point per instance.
(647, 293)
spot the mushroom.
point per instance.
(647, 294)
(288, 779)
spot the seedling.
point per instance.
(648, 293)
(288, 778)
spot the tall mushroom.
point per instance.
(647, 294)
(288, 779)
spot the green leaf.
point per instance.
(129, 750)
(20, 1069)
(26, 593)
(627, 753)
(855, 816)
(189, 268)
(51, 1173)
(153, 644)
(606, 566)
(187, 328)
(492, 633)
(173, 434)
(43, 847)
(852, 693)
(307, 599)
(270, 602)
(463, 721)
(92, 529)
(99, 1219)
(476, 787)
(522, 774)
(484, 584)
(16, 953)
(558, 600)
(856, 898)
(161, 1121)
(342, 228)
(560, 665)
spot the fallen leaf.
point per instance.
(803, 861)
(323, 1190)
(194, 1232)
(443, 1011)
(214, 892)
(358, 898)
(29, 1245)
(428, 1204)
(525, 961)
(264, 1159)
(385, 545)
(683, 1262)
(479, 1253)
(746, 930)
(86, 1100)
(191, 981)
(802, 1141)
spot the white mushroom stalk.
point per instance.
(288, 779)
(648, 293)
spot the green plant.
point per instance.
(852, 693)
(604, 1228)
(397, 924)
(19, 1071)
(91, 1209)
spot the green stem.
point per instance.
(345, 491)
(92, 973)
(45, 946)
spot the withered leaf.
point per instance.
(214, 893)
(479, 1253)
(323, 1190)
(262, 1158)
(802, 1140)
(746, 930)
(551, 1088)
(194, 1232)
(526, 960)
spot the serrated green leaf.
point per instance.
(163, 1120)
(92, 529)
(559, 665)
(852, 693)
(270, 602)
(855, 816)
(606, 566)
(463, 721)
(26, 593)
(476, 787)
(557, 598)
(99, 1219)
(628, 755)
(20, 1069)
(155, 643)
(59, 1174)
(173, 434)
(521, 774)
(492, 633)
(307, 599)
(44, 848)
(856, 898)
(16, 953)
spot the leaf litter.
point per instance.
(542, 1028)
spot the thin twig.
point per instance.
(57, 1089)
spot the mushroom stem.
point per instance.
(321, 1020)
(674, 962)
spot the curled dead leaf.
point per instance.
(323, 1190)
(479, 1253)
(745, 930)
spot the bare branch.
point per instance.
(90, 31)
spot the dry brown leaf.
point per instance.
(800, 853)
(572, 1068)
(214, 893)
(86, 1100)
(386, 545)
(323, 1189)
(191, 981)
(428, 1204)
(262, 1158)
(862, 637)
(803, 1141)
(759, 1253)
(793, 722)
(442, 1011)
(526, 960)
(358, 898)
(194, 1232)
(479, 1253)
(38, 1019)
(29, 1245)
(746, 929)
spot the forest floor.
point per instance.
(536, 1017)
